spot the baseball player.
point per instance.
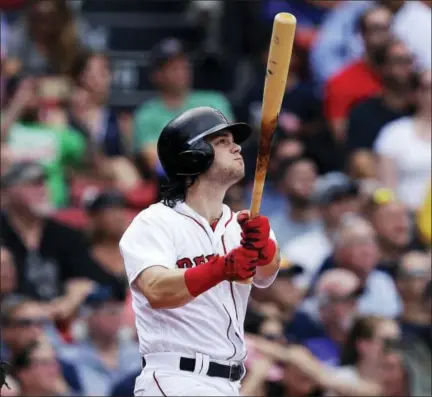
(191, 261)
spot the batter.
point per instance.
(191, 263)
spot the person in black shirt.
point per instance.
(412, 276)
(396, 101)
(52, 260)
(108, 222)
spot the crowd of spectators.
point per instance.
(348, 194)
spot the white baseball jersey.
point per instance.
(178, 237)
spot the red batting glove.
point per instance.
(255, 231)
(240, 264)
(267, 254)
(256, 235)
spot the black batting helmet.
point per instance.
(182, 148)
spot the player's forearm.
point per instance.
(164, 288)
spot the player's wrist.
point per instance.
(201, 278)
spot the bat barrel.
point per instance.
(279, 58)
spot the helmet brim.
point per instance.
(240, 132)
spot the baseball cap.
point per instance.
(166, 50)
(104, 293)
(98, 201)
(22, 172)
(334, 186)
(289, 270)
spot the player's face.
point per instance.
(228, 165)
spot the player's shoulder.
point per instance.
(153, 220)
(158, 212)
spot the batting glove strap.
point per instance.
(267, 254)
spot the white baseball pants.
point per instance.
(162, 377)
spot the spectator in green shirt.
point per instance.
(172, 77)
(29, 138)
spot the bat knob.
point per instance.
(286, 18)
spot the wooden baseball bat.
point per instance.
(279, 58)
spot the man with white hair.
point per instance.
(412, 277)
(337, 293)
(335, 195)
(356, 249)
(323, 329)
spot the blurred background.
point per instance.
(87, 86)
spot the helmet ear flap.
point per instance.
(196, 159)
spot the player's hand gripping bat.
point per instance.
(279, 58)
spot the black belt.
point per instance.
(233, 372)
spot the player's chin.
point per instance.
(239, 173)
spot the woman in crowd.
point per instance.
(369, 339)
(100, 124)
(268, 377)
(47, 40)
(404, 150)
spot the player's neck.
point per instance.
(206, 199)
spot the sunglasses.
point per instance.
(27, 322)
(43, 362)
(335, 299)
(392, 344)
(401, 60)
(271, 337)
(378, 28)
(415, 273)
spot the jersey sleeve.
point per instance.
(146, 243)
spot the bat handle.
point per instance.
(257, 196)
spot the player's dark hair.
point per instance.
(174, 191)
